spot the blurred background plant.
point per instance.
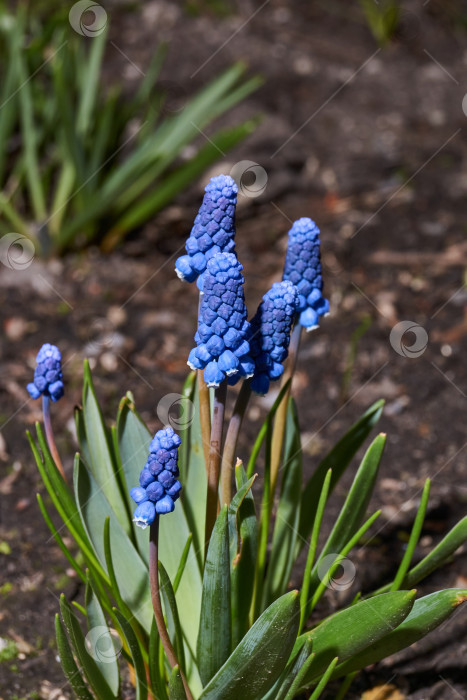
(81, 162)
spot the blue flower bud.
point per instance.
(270, 333)
(159, 487)
(48, 378)
(144, 514)
(213, 230)
(222, 345)
(138, 494)
(303, 268)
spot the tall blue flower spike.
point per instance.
(222, 346)
(159, 487)
(48, 378)
(270, 334)
(303, 268)
(213, 231)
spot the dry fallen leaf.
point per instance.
(383, 692)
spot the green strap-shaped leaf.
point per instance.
(138, 663)
(156, 674)
(348, 631)
(70, 669)
(130, 571)
(413, 539)
(283, 685)
(215, 627)
(318, 691)
(245, 541)
(427, 614)
(338, 459)
(257, 662)
(288, 513)
(96, 444)
(171, 614)
(354, 508)
(264, 429)
(91, 670)
(176, 689)
(99, 636)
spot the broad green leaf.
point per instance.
(195, 486)
(171, 614)
(426, 615)
(257, 662)
(98, 452)
(94, 510)
(176, 689)
(100, 639)
(338, 460)
(215, 626)
(283, 685)
(70, 669)
(288, 512)
(354, 508)
(244, 543)
(91, 670)
(138, 663)
(353, 629)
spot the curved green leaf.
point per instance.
(215, 627)
(104, 655)
(171, 613)
(348, 631)
(338, 459)
(176, 689)
(257, 662)
(427, 614)
(354, 509)
(70, 669)
(138, 663)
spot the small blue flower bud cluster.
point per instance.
(270, 334)
(303, 268)
(222, 346)
(213, 231)
(48, 378)
(159, 487)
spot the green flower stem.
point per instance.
(231, 440)
(205, 416)
(157, 604)
(50, 435)
(281, 415)
(215, 446)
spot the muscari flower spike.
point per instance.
(213, 231)
(48, 378)
(303, 268)
(159, 487)
(222, 346)
(270, 334)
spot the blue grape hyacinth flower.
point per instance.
(48, 378)
(270, 334)
(222, 346)
(159, 486)
(303, 268)
(213, 230)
